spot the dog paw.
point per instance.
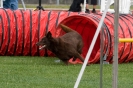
(74, 62)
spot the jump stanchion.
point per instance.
(39, 7)
(125, 39)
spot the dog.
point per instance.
(64, 47)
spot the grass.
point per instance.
(61, 6)
(52, 6)
(42, 72)
(45, 6)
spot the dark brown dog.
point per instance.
(64, 47)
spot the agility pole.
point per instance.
(1, 3)
(84, 6)
(92, 45)
(125, 39)
(115, 50)
(23, 4)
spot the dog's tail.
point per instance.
(66, 29)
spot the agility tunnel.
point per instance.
(21, 30)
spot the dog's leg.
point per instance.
(65, 61)
(77, 55)
(79, 47)
(74, 59)
(46, 53)
(82, 59)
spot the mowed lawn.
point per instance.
(47, 72)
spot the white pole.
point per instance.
(92, 45)
(115, 52)
(84, 6)
(2, 3)
(23, 4)
(58, 1)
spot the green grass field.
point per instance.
(61, 6)
(42, 72)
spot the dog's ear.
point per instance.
(49, 35)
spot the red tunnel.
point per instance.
(20, 30)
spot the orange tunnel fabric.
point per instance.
(21, 30)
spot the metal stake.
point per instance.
(115, 53)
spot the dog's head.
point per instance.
(44, 42)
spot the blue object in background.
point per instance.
(10, 4)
